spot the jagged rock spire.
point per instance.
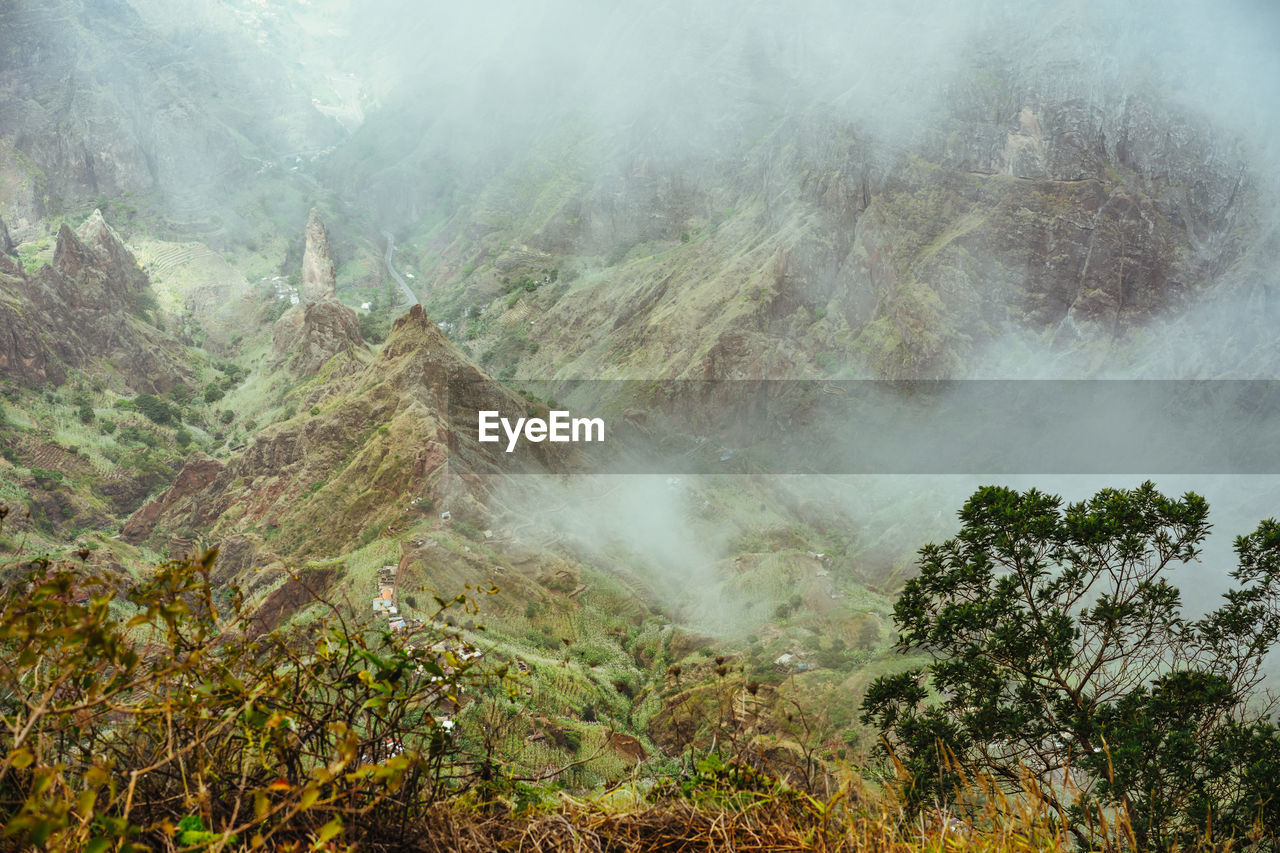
(319, 280)
(310, 333)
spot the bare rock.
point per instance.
(85, 308)
(319, 327)
(319, 279)
(182, 497)
(328, 328)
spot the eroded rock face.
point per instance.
(23, 355)
(84, 309)
(319, 326)
(1032, 208)
(328, 328)
(319, 279)
(183, 496)
(6, 243)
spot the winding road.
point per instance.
(391, 248)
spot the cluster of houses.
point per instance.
(384, 603)
(283, 289)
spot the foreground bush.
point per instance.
(168, 722)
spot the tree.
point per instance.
(1060, 659)
(155, 409)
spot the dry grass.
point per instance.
(844, 825)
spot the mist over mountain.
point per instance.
(263, 262)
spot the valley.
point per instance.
(243, 395)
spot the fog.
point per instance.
(484, 86)
(701, 90)
(716, 98)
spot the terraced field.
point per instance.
(190, 278)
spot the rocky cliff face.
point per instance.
(1021, 212)
(319, 326)
(319, 279)
(101, 104)
(24, 356)
(6, 243)
(84, 311)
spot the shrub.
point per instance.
(374, 328)
(332, 737)
(155, 409)
(181, 393)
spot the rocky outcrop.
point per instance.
(319, 326)
(328, 328)
(6, 242)
(23, 354)
(182, 497)
(105, 274)
(319, 279)
(399, 428)
(85, 311)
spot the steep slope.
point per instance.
(817, 254)
(96, 104)
(377, 440)
(906, 208)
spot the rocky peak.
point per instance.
(319, 327)
(400, 426)
(71, 256)
(82, 310)
(105, 273)
(413, 330)
(328, 328)
(319, 280)
(23, 354)
(97, 233)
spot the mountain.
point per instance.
(375, 435)
(97, 104)
(659, 192)
(86, 310)
(1067, 224)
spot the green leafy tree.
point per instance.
(1061, 660)
(155, 409)
(374, 326)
